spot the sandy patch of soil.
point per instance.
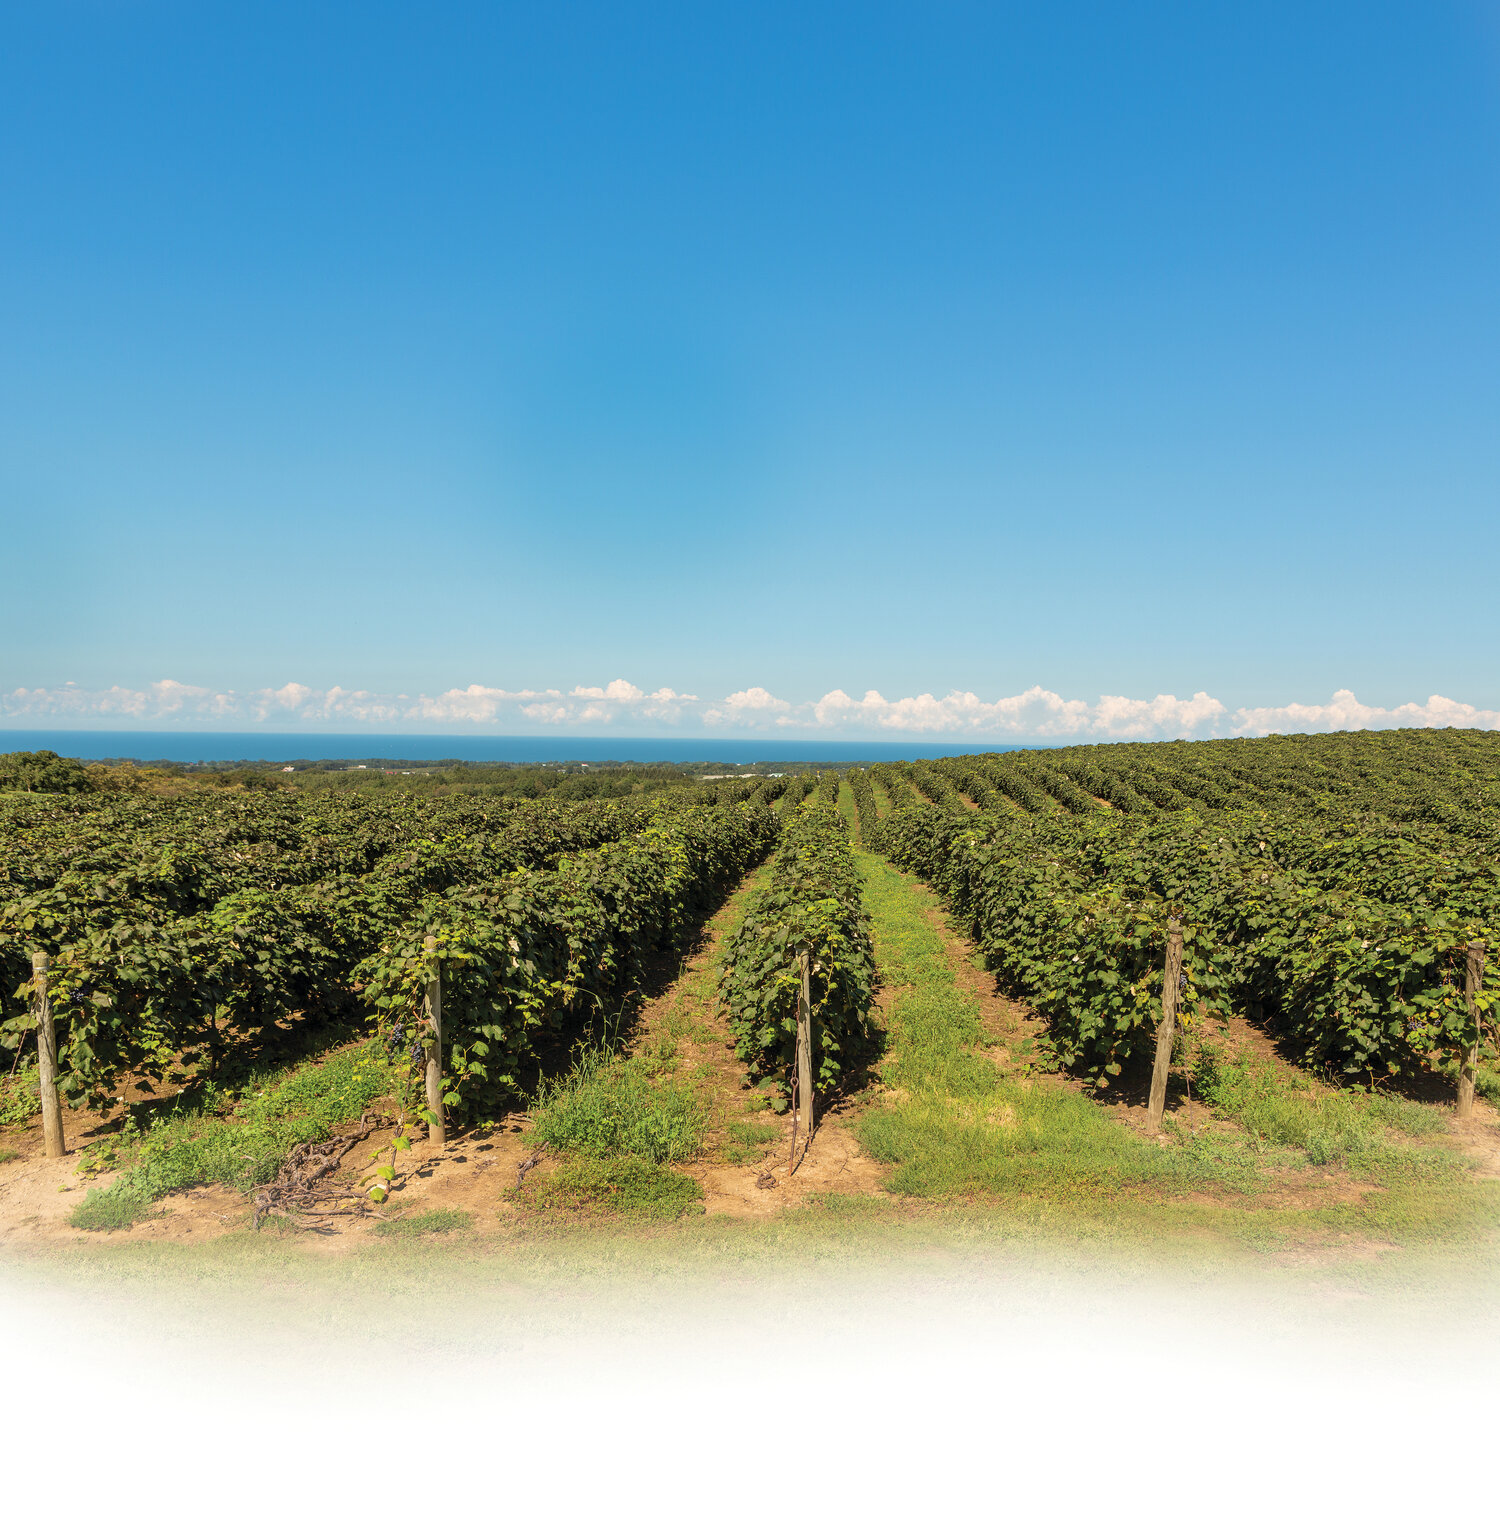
(833, 1163)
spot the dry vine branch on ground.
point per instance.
(304, 1186)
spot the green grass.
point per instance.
(658, 1057)
(628, 1186)
(426, 1222)
(618, 1123)
(745, 1141)
(241, 1140)
(110, 1209)
(956, 1126)
(848, 808)
(961, 1127)
(7, 1154)
(609, 1106)
(1324, 1124)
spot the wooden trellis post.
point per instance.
(1473, 981)
(1167, 1029)
(46, 1057)
(804, 1050)
(439, 1131)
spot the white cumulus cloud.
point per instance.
(753, 703)
(1345, 711)
(1033, 714)
(961, 717)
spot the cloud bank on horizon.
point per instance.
(1036, 714)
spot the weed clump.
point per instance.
(110, 1209)
(617, 1124)
(605, 1107)
(1327, 1125)
(628, 1186)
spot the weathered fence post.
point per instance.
(1168, 1026)
(46, 1057)
(1473, 980)
(439, 1131)
(804, 1050)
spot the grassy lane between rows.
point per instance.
(847, 809)
(966, 1119)
(956, 1124)
(630, 1114)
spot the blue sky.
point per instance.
(1042, 370)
